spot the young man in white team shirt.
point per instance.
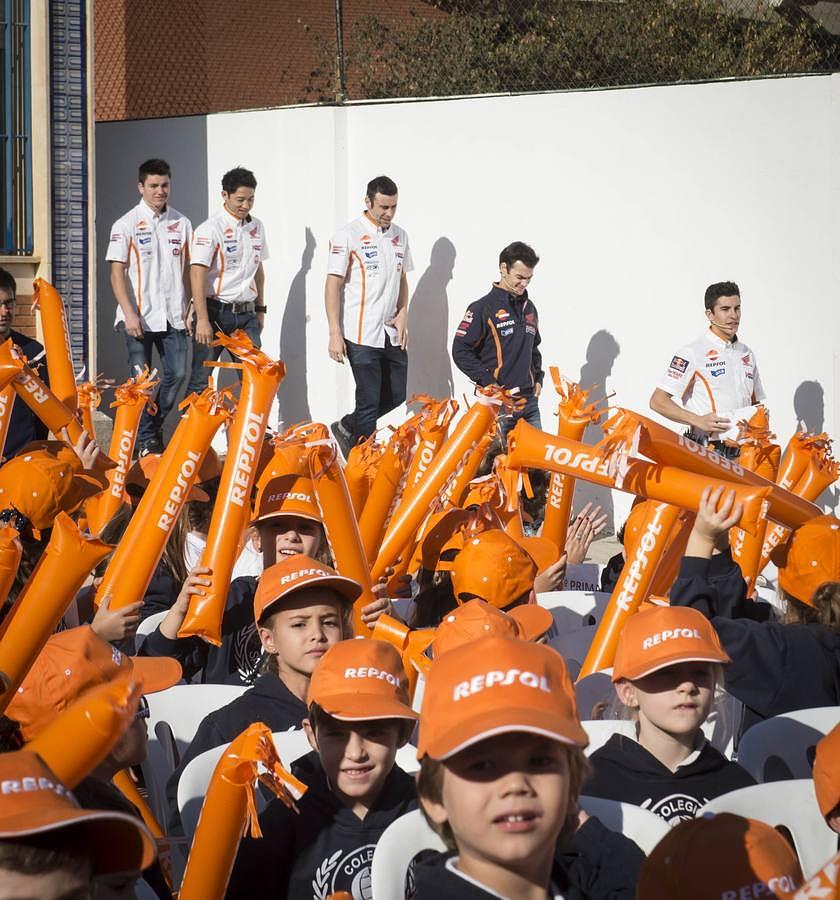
(149, 253)
(715, 377)
(366, 298)
(226, 272)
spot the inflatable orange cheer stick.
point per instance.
(10, 553)
(130, 568)
(455, 453)
(574, 413)
(48, 302)
(459, 480)
(386, 488)
(261, 377)
(355, 472)
(645, 539)
(669, 563)
(89, 397)
(532, 448)
(340, 525)
(431, 433)
(7, 399)
(411, 644)
(230, 808)
(632, 430)
(82, 735)
(131, 398)
(68, 560)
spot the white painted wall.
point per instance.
(635, 199)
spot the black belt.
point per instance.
(244, 307)
(729, 451)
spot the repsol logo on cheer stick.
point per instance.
(123, 459)
(427, 454)
(708, 453)
(180, 489)
(630, 583)
(555, 495)
(586, 462)
(32, 386)
(252, 440)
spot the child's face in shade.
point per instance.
(506, 800)
(357, 757)
(61, 884)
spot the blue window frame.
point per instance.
(15, 131)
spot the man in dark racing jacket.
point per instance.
(498, 338)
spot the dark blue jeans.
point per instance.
(222, 318)
(381, 375)
(530, 413)
(171, 346)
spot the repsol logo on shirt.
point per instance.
(372, 672)
(495, 677)
(670, 634)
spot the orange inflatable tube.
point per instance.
(340, 525)
(47, 300)
(454, 454)
(411, 644)
(643, 552)
(229, 809)
(10, 553)
(431, 433)
(89, 397)
(532, 448)
(66, 563)
(669, 563)
(130, 569)
(7, 399)
(131, 398)
(574, 414)
(80, 737)
(456, 487)
(355, 473)
(261, 377)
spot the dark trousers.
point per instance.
(530, 413)
(222, 318)
(171, 346)
(381, 375)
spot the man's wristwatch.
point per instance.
(260, 308)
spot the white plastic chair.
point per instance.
(146, 627)
(174, 717)
(783, 747)
(573, 647)
(595, 688)
(788, 804)
(601, 730)
(401, 841)
(640, 825)
(573, 610)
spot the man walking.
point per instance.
(148, 251)
(226, 273)
(366, 298)
(715, 377)
(498, 339)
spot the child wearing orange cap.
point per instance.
(827, 778)
(722, 856)
(501, 767)
(666, 669)
(777, 666)
(358, 717)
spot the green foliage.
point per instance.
(498, 46)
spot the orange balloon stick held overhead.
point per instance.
(130, 568)
(82, 735)
(669, 563)
(261, 377)
(356, 472)
(574, 414)
(68, 560)
(458, 482)
(645, 539)
(230, 809)
(131, 398)
(7, 399)
(456, 452)
(47, 300)
(10, 553)
(89, 398)
(431, 433)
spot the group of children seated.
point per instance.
(498, 736)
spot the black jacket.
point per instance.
(775, 668)
(497, 341)
(24, 425)
(268, 701)
(325, 848)
(236, 661)
(623, 770)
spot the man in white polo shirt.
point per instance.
(226, 271)
(715, 377)
(366, 297)
(148, 251)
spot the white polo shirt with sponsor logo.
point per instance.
(714, 375)
(155, 247)
(371, 261)
(232, 249)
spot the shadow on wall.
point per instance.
(601, 354)
(293, 397)
(429, 362)
(809, 409)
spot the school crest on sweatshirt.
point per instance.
(345, 871)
